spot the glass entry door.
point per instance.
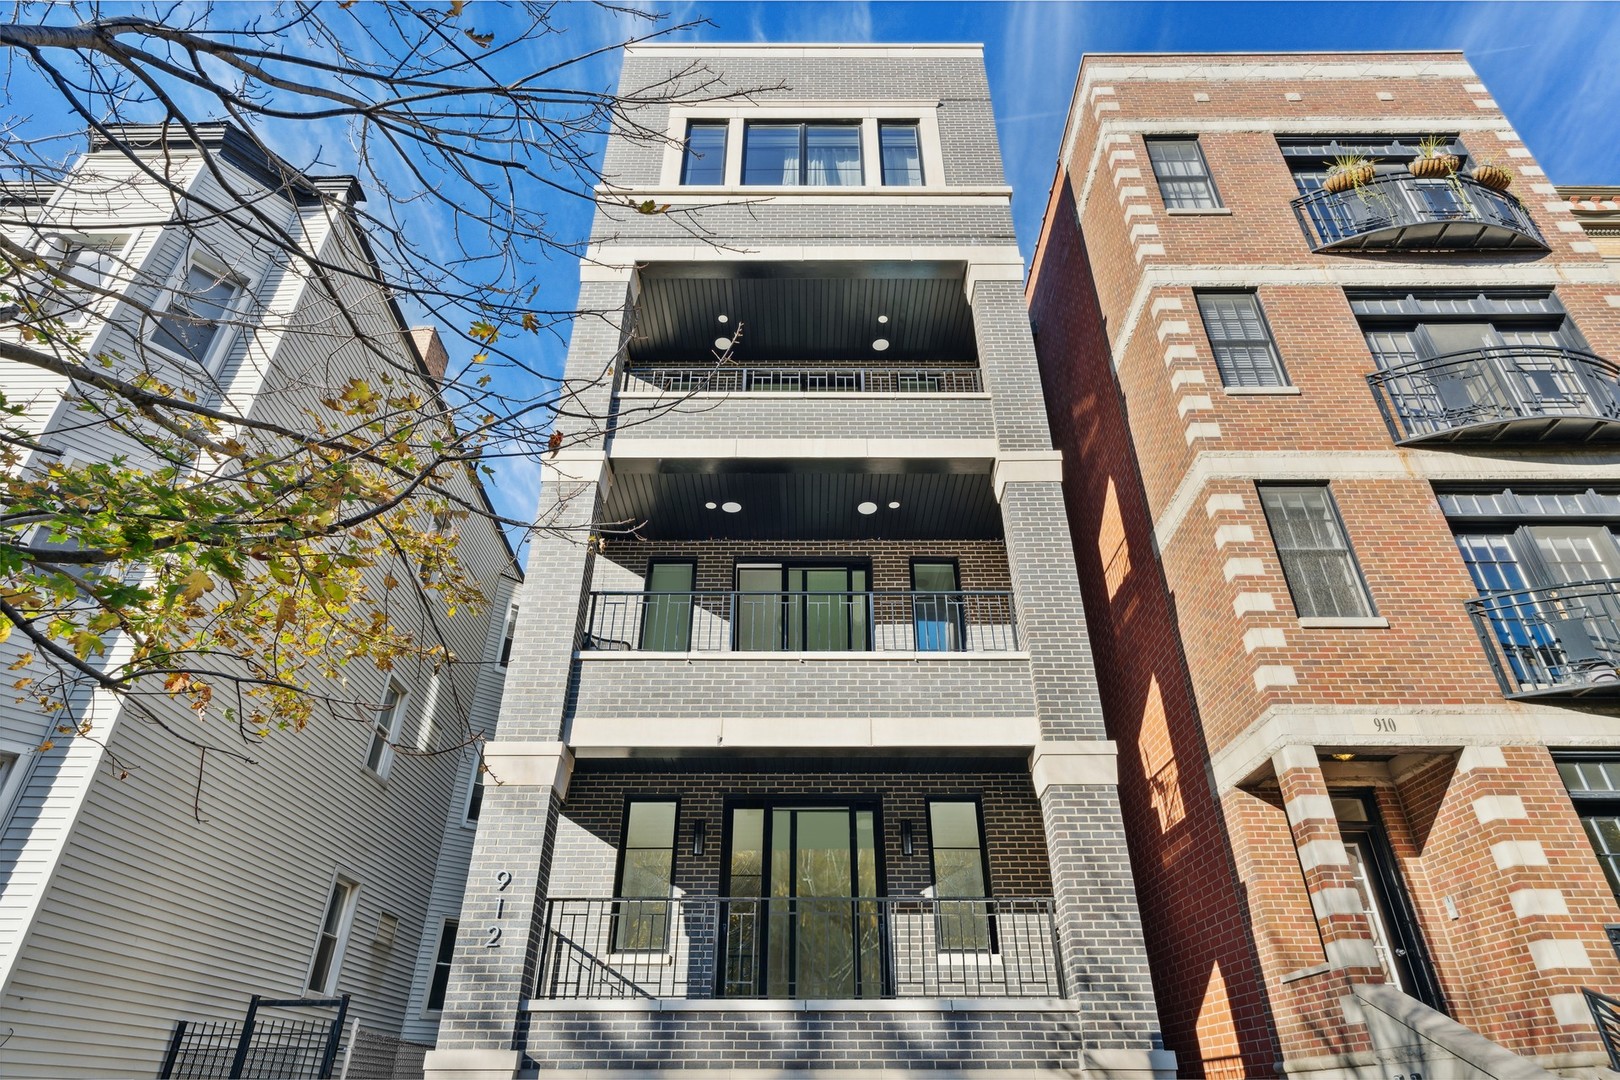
(813, 931)
(804, 608)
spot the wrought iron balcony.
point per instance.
(804, 380)
(820, 948)
(876, 621)
(1561, 641)
(1402, 211)
(1504, 392)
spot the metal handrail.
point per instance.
(693, 379)
(1493, 385)
(1561, 639)
(1606, 1016)
(1399, 202)
(799, 947)
(879, 620)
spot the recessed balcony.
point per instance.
(831, 947)
(1403, 212)
(1518, 393)
(794, 379)
(1553, 642)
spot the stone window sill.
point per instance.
(1191, 211)
(1373, 622)
(1261, 391)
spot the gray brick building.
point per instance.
(801, 764)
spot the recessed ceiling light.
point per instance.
(731, 507)
(883, 320)
(894, 506)
(880, 344)
(722, 343)
(867, 508)
(724, 318)
(709, 505)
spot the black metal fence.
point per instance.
(875, 621)
(1556, 640)
(258, 1046)
(803, 380)
(834, 948)
(1487, 388)
(1606, 1015)
(1405, 211)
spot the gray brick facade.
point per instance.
(922, 417)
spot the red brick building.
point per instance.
(1343, 470)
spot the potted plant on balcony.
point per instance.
(1349, 171)
(1489, 174)
(1434, 160)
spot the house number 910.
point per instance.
(1384, 724)
(502, 880)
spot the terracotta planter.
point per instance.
(1495, 177)
(1349, 178)
(1434, 168)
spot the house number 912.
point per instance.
(502, 880)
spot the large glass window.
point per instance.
(198, 306)
(704, 161)
(1594, 788)
(666, 618)
(817, 608)
(937, 606)
(959, 872)
(334, 934)
(815, 155)
(1244, 351)
(1183, 175)
(646, 869)
(902, 154)
(1315, 553)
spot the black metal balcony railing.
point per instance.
(877, 621)
(823, 948)
(788, 380)
(1563, 640)
(1403, 211)
(1513, 391)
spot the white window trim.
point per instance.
(385, 760)
(99, 307)
(925, 113)
(12, 785)
(428, 1012)
(214, 362)
(345, 927)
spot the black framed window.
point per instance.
(666, 612)
(1594, 789)
(439, 984)
(813, 155)
(1183, 174)
(937, 606)
(961, 873)
(901, 149)
(704, 159)
(1241, 340)
(646, 869)
(1315, 553)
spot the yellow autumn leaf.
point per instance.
(197, 582)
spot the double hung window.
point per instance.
(197, 309)
(1315, 553)
(1183, 175)
(88, 263)
(812, 155)
(380, 753)
(1241, 340)
(334, 933)
(439, 982)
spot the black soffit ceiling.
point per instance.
(794, 312)
(805, 505)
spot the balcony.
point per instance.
(841, 622)
(804, 948)
(1517, 393)
(1402, 212)
(1562, 641)
(794, 379)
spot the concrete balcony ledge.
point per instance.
(812, 395)
(709, 655)
(596, 735)
(1014, 1004)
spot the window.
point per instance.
(816, 155)
(937, 607)
(509, 633)
(646, 869)
(1594, 788)
(380, 755)
(334, 934)
(666, 614)
(1241, 340)
(475, 793)
(704, 161)
(199, 304)
(1184, 180)
(901, 151)
(959, 871)
(1316, 557)
(446, 951)
(87, 262)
